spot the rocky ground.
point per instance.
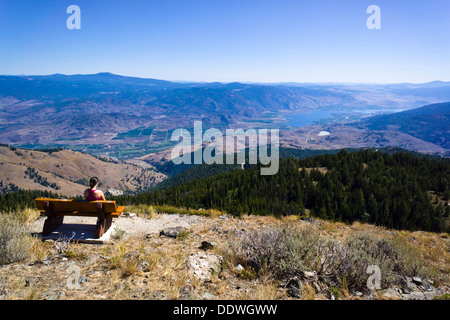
(173, 256)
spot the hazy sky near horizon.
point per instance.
(230, 40)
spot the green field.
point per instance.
(141, 132)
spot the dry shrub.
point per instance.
(126, 263)
(142, 210)
(14, 239)
(287, 252)
(27, 215)
(394, 257)
(284, 252)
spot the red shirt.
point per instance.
(91, 196)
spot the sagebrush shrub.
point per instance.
(286, 252)
(393, 257)
(14, 239)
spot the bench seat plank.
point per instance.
(72, 207)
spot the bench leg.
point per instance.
(51, 224)
(102, 226)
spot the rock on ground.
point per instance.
(201, 265)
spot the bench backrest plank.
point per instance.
(77, 207)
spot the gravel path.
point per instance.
(135, 226)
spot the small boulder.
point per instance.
(172, 232)
(392, 294)
(201, 265)
(239, 268)
(294, 288)
(358, 293)
(416, 295)
(309, 274)
(208, 296)
(188, 293)
(208, 245)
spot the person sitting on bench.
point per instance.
(92, 194)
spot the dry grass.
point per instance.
(266, 289)
(117, 272)
(39, 250)
(142, 210)
(15, 240)
(32, 294)
(27, 215)
(175, 283)
(308, 292)
(322, 170)
(125, 261)
(165, 267)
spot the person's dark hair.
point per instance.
(93, 182)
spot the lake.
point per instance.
(304, 119)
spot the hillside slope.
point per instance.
(67, 172)
(384, 189)
(429, 123)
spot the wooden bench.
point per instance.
(56, 209)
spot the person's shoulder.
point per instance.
(99, 193)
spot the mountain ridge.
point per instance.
(99, 113)
(429, 123)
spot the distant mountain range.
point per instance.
(45, 109)
(127, 117)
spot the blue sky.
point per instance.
(229, 40)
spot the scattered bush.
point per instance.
(445, 296)
(175, 210)
(26, 215)
(38, 250)
(128, 263)
(142, 210)
(287, 252)
(247, 273)
(335, 291)
(183, 235)
(125, 262)
(118, 234)
(62, 245)
(363, 249)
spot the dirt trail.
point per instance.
(135, 226)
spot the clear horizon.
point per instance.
(266, 41)
(226, 82)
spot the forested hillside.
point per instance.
(16, 199)
(392, 190)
